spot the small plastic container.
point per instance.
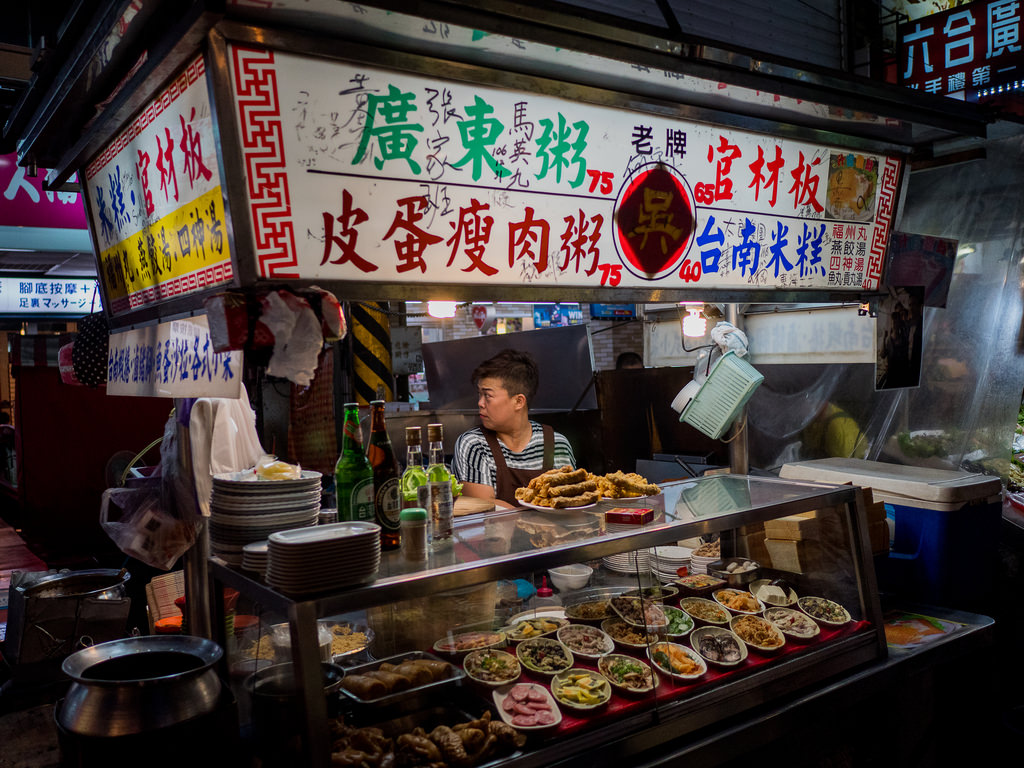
(546, 597)
(414, 529)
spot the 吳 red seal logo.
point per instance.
(654, 221)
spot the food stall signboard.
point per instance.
(972, 50)
(364, 174)
(155, 200)
(172, 359)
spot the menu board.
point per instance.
(155, 201)
(359, 173)
(172, 359)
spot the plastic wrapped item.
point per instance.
(271, 468)
(297, 336)
(328, 309)
(156, 522)
(727, 338)
(228, 318)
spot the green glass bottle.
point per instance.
(353, 475)
(414, 475)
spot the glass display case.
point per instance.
(802, 594)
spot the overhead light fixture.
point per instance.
(442, 310)
(965, 250)
(694, 324)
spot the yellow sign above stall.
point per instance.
(155, 200)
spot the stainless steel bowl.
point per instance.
(719, 569)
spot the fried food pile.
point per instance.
(624, 485)
(560, 488)
(460, 746)
(568, 487)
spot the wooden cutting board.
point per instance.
(470, 505)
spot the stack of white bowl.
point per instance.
(244, 509)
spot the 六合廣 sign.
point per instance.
(973, 50)
(155, 200)
(172, 359)
(364, 174)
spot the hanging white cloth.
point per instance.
(224, 439)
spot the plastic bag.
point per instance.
(297, 336)
(156, 522)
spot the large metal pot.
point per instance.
(49, 616)
(140, 684)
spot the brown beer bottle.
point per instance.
(387, 495)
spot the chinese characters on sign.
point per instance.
(26, 204)
(365, 174)
(174, 359)
(48, 296)
(156, 203)
(973, 50)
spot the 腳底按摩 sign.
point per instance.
(359, 173)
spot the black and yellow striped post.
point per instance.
(371, 352)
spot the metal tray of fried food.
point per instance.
(407, 697)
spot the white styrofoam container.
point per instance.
(924, 487)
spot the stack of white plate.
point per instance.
(667, 560)
(244, 509)
(626, 562)
(255, 557)
(699, 563)
(324, 557)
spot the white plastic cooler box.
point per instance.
(945, 546)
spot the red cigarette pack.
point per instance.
(629, 516)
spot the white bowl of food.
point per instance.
(824, 611)
(579, 688)
(569, 577)
(795, 625)
(719, 646)
(738, 601)
(544, 655)
(585, 641)
(538, 626)
(640, 612)
(527, 706)
(705, 611)
(626, 674)
(464, 642)
(626, 635)
(758, 633)
(492, 667)
(680, 623)
(676, 661)
(592, 611)
(773, 593)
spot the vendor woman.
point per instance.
(508, 449)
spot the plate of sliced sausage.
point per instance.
(527, 706)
